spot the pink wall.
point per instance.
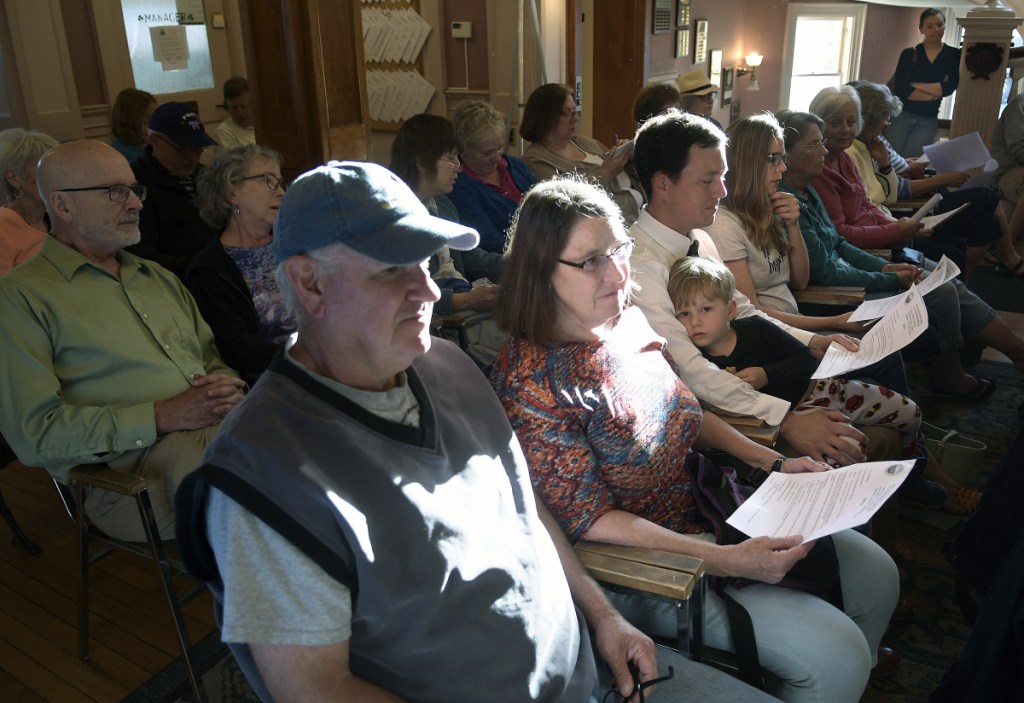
(737, 28)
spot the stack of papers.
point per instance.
(397, 95)
(393, 35)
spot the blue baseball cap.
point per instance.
(368, 209)
(181, 124)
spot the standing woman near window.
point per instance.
(925, 74)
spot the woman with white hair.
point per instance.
(23, 221)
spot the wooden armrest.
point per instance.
(455, 320)
(831, 295)
(909, 206)
(881, 253)
(753, 428)
(648, 570)
(108, 479)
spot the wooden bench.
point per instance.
(656, 574)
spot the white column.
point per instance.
(977, 99)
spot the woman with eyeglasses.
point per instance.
(757, 230)
(969, 233)
(425, 156)
(955, 313)
(550, 121)
(233, 279)
(606, 425)
(23, 221)
(491, 184)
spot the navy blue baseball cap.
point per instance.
(181, 124)
(368, 209)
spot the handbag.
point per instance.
(718, 492)
(960, 456)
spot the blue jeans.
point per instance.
(813, 651)
(909, 134)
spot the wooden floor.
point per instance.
(132, 633)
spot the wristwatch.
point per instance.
(777, 464)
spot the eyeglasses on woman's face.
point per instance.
(272, 180)
(815, 145)
(776, 158)
(599, 263)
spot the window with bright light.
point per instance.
(167, 42)
(822, 49)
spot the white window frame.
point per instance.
(794, 11)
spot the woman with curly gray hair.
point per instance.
(232, 279)
(23, 214)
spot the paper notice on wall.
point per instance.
(170, 47)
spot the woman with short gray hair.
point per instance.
(492, 183)
(233, 277)
(23, 221)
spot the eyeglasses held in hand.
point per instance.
(116, 193)
(272, 181)
(597, 264)
(639, 689)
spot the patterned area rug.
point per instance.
(939, 631)
(221, 676)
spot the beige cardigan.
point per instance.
(546, 164)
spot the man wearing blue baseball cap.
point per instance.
(172, 231)
(365, 518)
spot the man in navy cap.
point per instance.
(364, 517)
(172, 231)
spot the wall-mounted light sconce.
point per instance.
(753, 60)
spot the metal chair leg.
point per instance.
(83, 573)
(166, 578)
(20, 539)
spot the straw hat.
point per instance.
(696, 83)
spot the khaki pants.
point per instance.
(164, 464)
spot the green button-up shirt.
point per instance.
(86, 354)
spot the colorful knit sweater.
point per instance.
(605, 426)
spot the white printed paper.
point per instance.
(170, 46)
(900, 326)
(933, 221)
(818, 504)
(944, 271)
(927, 207)
(960, 154)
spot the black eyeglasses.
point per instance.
(180, 149)
(116, 193)
(272, 181)
(639, 689)
(597, 264)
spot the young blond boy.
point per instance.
(772, 361)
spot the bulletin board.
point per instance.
(394, 34)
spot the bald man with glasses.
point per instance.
(172, 231)
(106, 356)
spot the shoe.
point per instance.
(965, 502)
(888, 662)
(902, 551)
(1017, 270)
(918, 492)
(983, 388)
(904, 611)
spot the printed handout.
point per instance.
(907, 319)
(944, 271)
(818, 504)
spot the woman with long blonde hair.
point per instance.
(757, 230)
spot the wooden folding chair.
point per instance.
(125, 484)
(652, 573)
